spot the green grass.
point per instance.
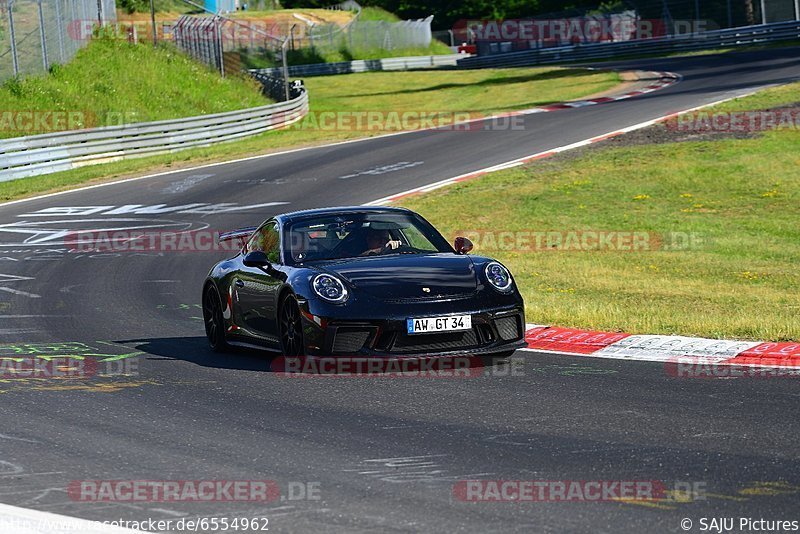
(377, 13)
(740, 196)
(110, 79)
(309, 56)
(349, 54)
(433, 91)
(452, 90)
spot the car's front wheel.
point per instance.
(214, 322)
(291, 327)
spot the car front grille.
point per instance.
(436, 342)
(350, 339)
(508, 328)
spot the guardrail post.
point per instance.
(13, 37)
(100, 21)
(218, 35)
(796, 9)
(42, 37)
(285, 69)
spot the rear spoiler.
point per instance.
(241, 233)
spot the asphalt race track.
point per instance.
(376, 453)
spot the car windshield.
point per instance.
(351, 235)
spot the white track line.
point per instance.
(21, 293)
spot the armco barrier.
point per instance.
(750, 35)
(369, 65)
(21, 157)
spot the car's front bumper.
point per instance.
(496, 330)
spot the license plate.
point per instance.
(426, 325)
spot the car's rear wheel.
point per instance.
(214, 322)
(291, 327)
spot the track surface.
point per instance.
(385, 452)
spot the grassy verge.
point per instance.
(308, 56)
(432, 91)
(738, 197)
(377, 13)
(111, 80)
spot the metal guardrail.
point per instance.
(21, 157)
(749, 35)
(367, 65)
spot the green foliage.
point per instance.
(378, 14)
(133, 6)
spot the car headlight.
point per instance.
(329, 288)
(498, 276)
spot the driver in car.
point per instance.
(378, 241)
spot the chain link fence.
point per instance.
(225, 44)
(367, 35)
(36, 34)
(231, 45)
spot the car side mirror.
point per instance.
(462, 245)
(257, 259)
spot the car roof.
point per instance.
(302, 214)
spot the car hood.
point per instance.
(401, 276)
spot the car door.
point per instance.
(257, 289)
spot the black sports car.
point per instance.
(360, 281)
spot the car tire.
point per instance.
(213, 320)
(290, 327)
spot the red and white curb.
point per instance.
(664, 79)
(662, 348)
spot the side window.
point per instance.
(268, 240)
